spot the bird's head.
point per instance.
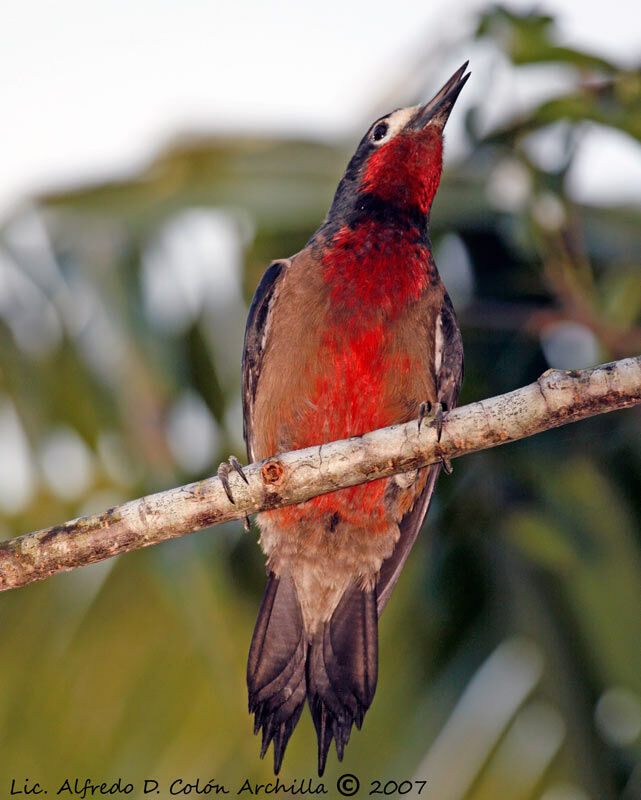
(398, 163)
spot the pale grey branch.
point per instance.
(556, 398)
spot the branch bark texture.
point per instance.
(555, 399)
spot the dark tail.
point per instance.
(336, 671)
(341, 670)
(276, 666)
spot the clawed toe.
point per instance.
(223, 473)
(238, 467)
(423, 411)
(448, 469)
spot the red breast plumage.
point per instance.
(351, 334)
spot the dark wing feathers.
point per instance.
(276, 667)
(449, 377)
(256, 329)
(409, 526)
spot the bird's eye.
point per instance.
(380, 131)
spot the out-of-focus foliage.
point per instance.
(511, 650)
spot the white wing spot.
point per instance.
(438, 344)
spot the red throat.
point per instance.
(407, 170)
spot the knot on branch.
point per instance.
(273, 473)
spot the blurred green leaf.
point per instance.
(621, 294)
(542, 540)
(529, 38)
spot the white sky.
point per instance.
(92, 89)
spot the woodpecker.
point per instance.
(354, 332)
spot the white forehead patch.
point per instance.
(396, 121)
(400, 118)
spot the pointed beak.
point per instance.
(438, 109)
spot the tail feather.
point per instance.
(336, 671)
(276, 666)
(342, 669)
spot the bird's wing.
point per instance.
(448, 363)
(256, 332)
(448, 356)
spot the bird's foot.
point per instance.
(434, 413)
(224, 470)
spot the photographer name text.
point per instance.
(348, 785)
